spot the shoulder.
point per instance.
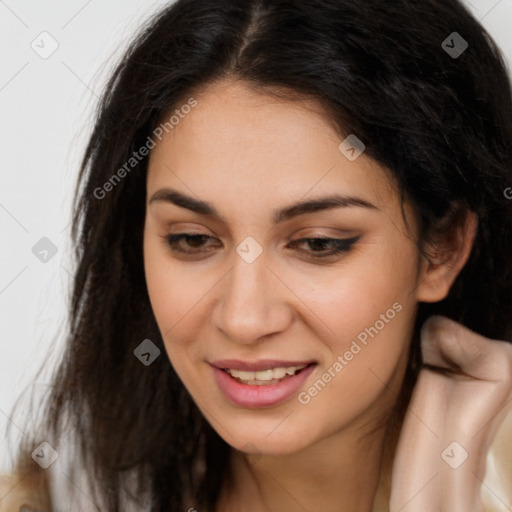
(24, 493)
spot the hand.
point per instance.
(462, 396)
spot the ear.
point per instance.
(446, 256)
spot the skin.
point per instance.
(249, 154)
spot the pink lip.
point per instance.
(257, 366)
(245, 395)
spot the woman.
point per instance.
(293, 288)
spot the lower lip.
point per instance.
(245, 395)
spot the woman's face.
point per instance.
(249, 292)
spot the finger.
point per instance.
(449, 345)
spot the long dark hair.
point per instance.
(441, 123)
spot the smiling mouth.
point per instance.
(265, 377)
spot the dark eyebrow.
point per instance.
(300, 208)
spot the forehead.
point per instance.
(237, 145)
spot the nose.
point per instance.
(252, 303)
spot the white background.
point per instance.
(46, 109)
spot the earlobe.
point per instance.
(446, 258)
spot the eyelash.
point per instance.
(341, 245)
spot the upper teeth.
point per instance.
(270, 374)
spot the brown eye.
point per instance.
(318, 245)
(191, 242)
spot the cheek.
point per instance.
(177, 299)
(169, 295)
(367, 354)
(172, 292)
(369, 311)
(170, 300)
(372, 289)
